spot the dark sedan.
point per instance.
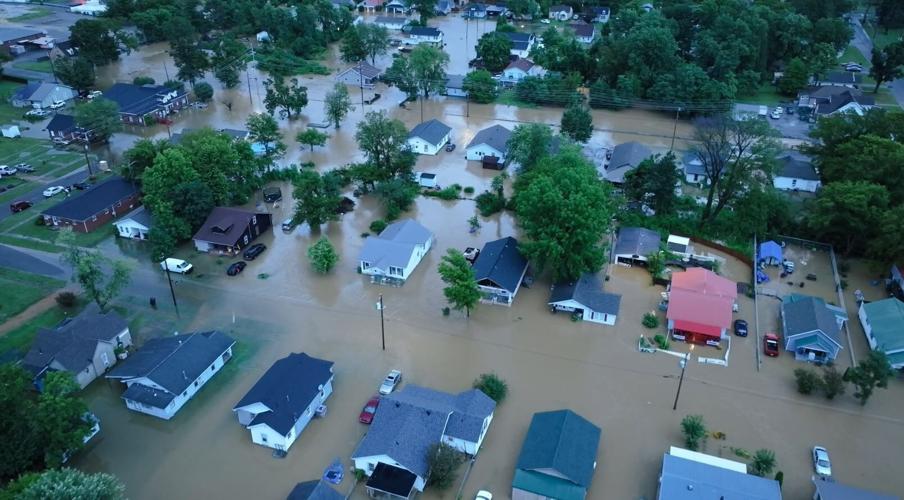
(236, 268)
(254, 250)
(740, 328)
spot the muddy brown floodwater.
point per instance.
(279, 305)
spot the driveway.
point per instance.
(864, 44)
(31, 262)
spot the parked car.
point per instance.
(289, 224)
(94, 94)
(450, 147)
(789, 110)
(272, 194)
(853, 67)
(390, 382)
(176, 266)
(740, 328)
(199, 105)
(7, 170)
(770, 345)
(544, 21)
(367, 414)
(24, 167)
(39, 113)
(59, 141)
(236, 268)
(776, 114)
(20, 205)
(57, 105)
(81, 186)
(53, 191)
(253, 251)
(484, 494)
(821, 461)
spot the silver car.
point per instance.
(821, 461)
(390, 382)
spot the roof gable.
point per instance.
(501, 263)
(72, 343)
(496, 137)
(685, 479)
(93, 200)
(224, 225)
(564, 442)
(432, 131)
(587, 291)
(62, 123)
(638, 241)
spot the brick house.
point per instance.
(94, 207)
(141, 103)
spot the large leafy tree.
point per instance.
(290, 99)
(428, 65)
(577, 122)
(493, 49)
(383, 140)
(317, 198)
(229, 58)
(171, 168)
(796, 76)
(264, 130)
(72, 484)
(884, 156)
(323, 256)
(887, 63)
(375, 40)
(190, 60)
(461, 288)
(870, 373)
(653, 183)
(337, 104)
(100, 117)
(480, 86)
(352, 47)
(19, 443)
(847, 213)
(311, 137)
(96, 40)
(887, 246)
(564, 211)
(61, 417)
(529, 144)
(425, 9)
(77, 72)
(89, 269)
(401, 74)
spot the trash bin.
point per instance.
(154, 302)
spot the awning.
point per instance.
(698, 328)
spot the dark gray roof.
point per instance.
(390, 20)
(140, 215)
(13, 34)
(560, 8)
(224, 225)
(582, 30)
(148, 395)
(428, 31)
(73, 343)
(496, 137)
(391, 479)
(796, 168)
(467, 410)
(520, 41)
(288, 388)
(810, 314)
(692, 164)
(455, 81)
(138, 99)
(500, 263)
(684, 479)
(433, 131)
(562, 441)
(587, 291)
(93, 200)
(625, 157)
(172, 362)
(314, 490)
(367, 70)
(61, 123)
(843, 77)
(831, 490)
(234, 133)
(831, 98)
(637, 241)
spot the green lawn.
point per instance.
(39, 245)
(509, 98)
(7, 112)
(20, 338)
(50, 236)
(767, 95)
(883, 38)
(32, 14)
(19, 290)
(852, 54)
(42, 66)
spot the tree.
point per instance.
(833, 31)
(887, 63)
(60, 417)
(428, 65)
(425, 9)
(291, 98)
(77, 72)
(264, 130)
(872, 372)
(493, 49)
(461, 288)
(480, 86)
(832, 383)
(337, 104)
(807, 381)
(795, 77)
(442, 463)
(493, 386)
(524, 9)
(192, 202)
(887, 245)
(228, 59)
(653, 183)
(563, 209)
(316, 198)
(577, 122)
(100, 117)
(402, 76)
(95, 39)
(72, 484)
(885, 156)
(88, 271)
(374, 39)
(383, 141)
(847, 213)
(203, 91)
(170, 168)
(397, 195)
(763, 462)
(736, 154)
(311, 137)
(189, 59)
(694, 431)
(352, 47)
(19, 443)
(322, 256)
(529, 144)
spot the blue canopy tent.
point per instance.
(770, 252)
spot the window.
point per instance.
(793, 182)
(105, 358)
(245, 239)
(254, 219)
(365, 265)
(213, 367)
(185, 393)
(94, 219)
(196, 383)
(264, 438)
(395, 270)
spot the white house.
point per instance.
(561, 12)
(634, 244)
(499, 270)
(830, 100)
(396, 7)
(442, 7)
(584, 33)
(455, 86)
(796, 173)
(694, 171)
(491, 141)
(429, 137)
(519, 69)
(281, 404)
(425, 34)
(135, 225)
(599, 14)
(168, 371)
(586, 299)
(41, 95)
(412, 420)
(390, 22)
(360, 75)
(89, 8)
(392, 256)
(522, 43)
(883, 325)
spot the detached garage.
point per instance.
(634, 244)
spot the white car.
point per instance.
(821, 461)
(53, 191)
(544, 21)
(390, 382)
(57, 105)
(484, 495)
(776, 114)
(176, 266)
(40, 113)
(7, 170)
(94, 94)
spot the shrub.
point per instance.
(203, 91)
(763, 462)
(832, 383)
(446, 311)
(650, 320)
(469, 190)
(143, 80)
(378, 226)
(449, 193)
(39, 221)
(489, 203)
(492, 386)
(662, 341)
(322, 256)
(443, 461)
(66, 299)
(807, 380)
(780, 478)
(694, 431)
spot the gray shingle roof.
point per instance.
(588, 291)
(500, 263)
(138, 99)
(12, 34)
(810, 314)
(72, 344)
(427, 31)
(432, 131)
(520, 41)
(796, 168)
(582, 30)
(173, 362)
(496, 137)
(637, 241)
(314, 490)
(626, 157)
(831, 490)
(684, 479)
(692, 164)
(140, 215)
(93, 200)
(61, 123)
(562, 441)
(468, 409)
(288, 388)
(394, 246)
(843, 77)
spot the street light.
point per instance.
(683, 363)
(380, 308)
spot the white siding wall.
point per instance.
(421, 146)
(416, 257)
(476, 153)
(455, 92)
(263, 435)
(368, 464)
(587, 314)
(128, 228)
(790, 184)
(867, 328)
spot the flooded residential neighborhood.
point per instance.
(625, 364)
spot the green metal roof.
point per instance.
(896, 360)
(886, 318)
(547, 486)
(561, 441)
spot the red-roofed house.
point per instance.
(700, 306)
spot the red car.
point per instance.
(367, 414)
(770, 345)
(18, 206)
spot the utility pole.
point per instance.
(250, 95)
(172, 291)
(675, 129)
(165, 70)
(683, 363)
(87, 161)
(361, 83)
(382, 325)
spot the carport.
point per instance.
(769, 253)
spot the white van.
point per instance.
(176, 266)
